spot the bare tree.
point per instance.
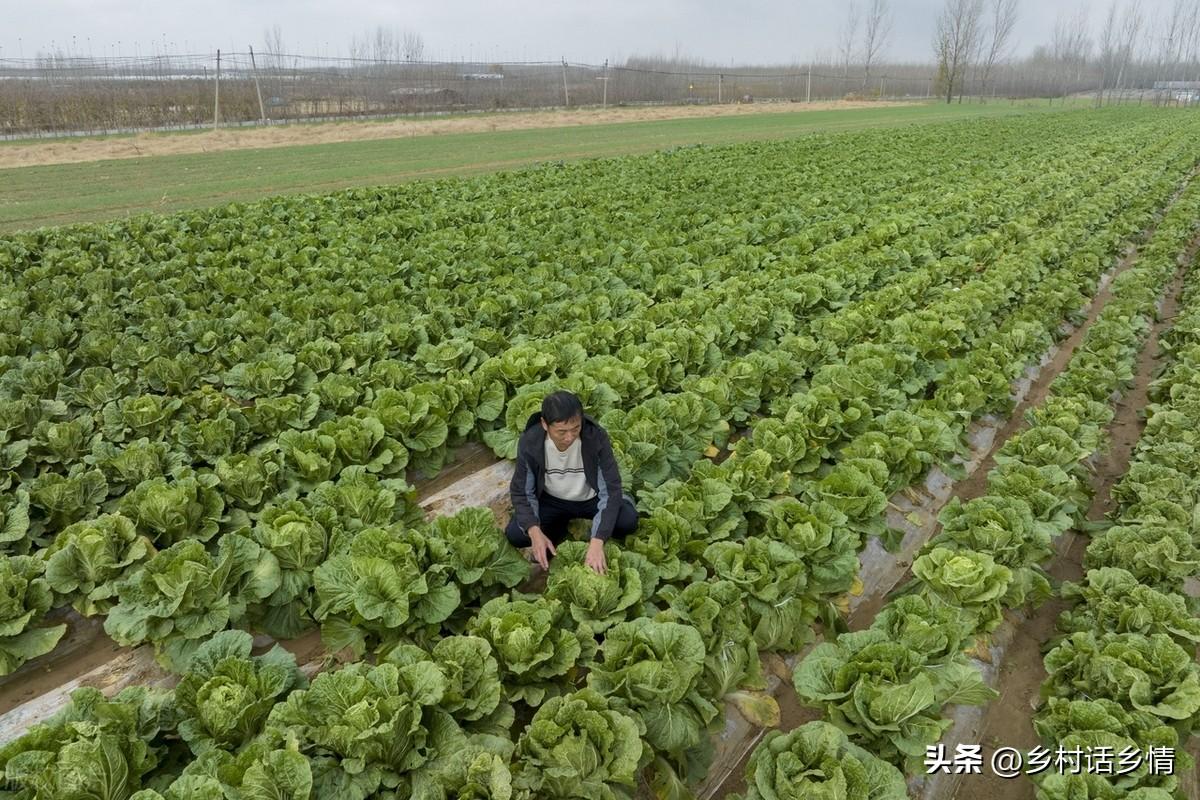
(955, 40)
(412, 46)
(273, 38)
(360, 47)
(848, 36)
(1173, 35)
(1071, 46)
(1001, 19)
(1193, 45)
(876, 32)
(1110, 44)
(385, 45)
(1131, 27)
(1190, 48)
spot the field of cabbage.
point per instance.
(216, 430)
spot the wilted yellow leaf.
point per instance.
(982, 649)
(759, 708)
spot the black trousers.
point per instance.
(555, 513)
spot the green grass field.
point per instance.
(32, 197)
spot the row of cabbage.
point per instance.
(889, 687)
(1123, 676)
(280, 395)
(85, 562)
(560, 650)
(190, 481)
(157, 325)
(908, 456)
(672, 653)
(300, 535)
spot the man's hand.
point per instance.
(541, 546)
(595, 556)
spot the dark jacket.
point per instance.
(599, 469)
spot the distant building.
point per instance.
(1183, 91)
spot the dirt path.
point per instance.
(77, 150)
(1008, 721)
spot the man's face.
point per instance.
(564, 434)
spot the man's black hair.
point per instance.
(560, 407)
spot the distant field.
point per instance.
(99, 147)
(59, 194)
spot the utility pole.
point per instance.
(604, 102)
(217, 94)
(720, 81)
(262, 114)
(808, 85)
(566, 96)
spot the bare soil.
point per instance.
(792, 714)
(77, 150)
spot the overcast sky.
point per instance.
(718, 31)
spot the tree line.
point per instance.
(973, 36)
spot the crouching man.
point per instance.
(566, 470)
